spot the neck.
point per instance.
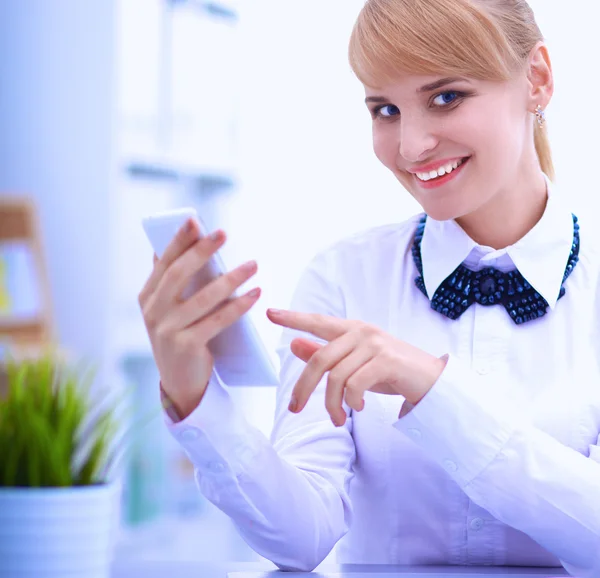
(510, 215)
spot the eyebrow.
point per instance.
(440, 83)
(425, 88)
(376, 99)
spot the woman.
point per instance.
(441, 374)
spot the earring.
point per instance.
(540, 115)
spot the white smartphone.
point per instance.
(241, 358)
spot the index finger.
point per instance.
(323, 326)
(185, 237)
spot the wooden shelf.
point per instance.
(24, 331)
(19, 223)
(17, 219)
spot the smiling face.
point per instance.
(456, 144)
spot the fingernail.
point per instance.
(216, 236)
(189, 225)
(254, 293)
(275, 312)
(248, 266)
(293, 404)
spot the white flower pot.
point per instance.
(52, 532)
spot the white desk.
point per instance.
(152, 569)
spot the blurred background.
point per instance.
(248, 111)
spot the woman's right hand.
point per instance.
(179, 330)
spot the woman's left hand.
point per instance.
(359, 357)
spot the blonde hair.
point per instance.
(481, 39)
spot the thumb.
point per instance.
(304, 348)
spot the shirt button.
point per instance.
(415, 433)
(189, 435)
(476, 524)
(450, 465)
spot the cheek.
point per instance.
(490, 133)
(496, 147)
(385, 147)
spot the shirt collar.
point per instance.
(540, 256)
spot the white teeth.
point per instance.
(440, 172)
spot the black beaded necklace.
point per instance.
(489, 286)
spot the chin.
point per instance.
(441, 208)
(442, 213)
(448, 201)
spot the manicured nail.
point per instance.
(216, 236)
(293, 404)
(246, 267)
(254, 293)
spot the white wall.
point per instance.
(56, 118)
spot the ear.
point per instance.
(541, 79)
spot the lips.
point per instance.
(439, 170)
(441, 175)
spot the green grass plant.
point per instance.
(53, 431)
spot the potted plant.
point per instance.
(58, 507)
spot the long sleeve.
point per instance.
(519, 473)
(287, 496)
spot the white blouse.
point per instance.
(499, 464)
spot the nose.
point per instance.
(416, 140)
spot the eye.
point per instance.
(446, 98)
(386, 111)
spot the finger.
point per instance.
(209, 327)
(185, 237)
(155, 259)
(320, 362)
(211, 297)
(304, 348)
(180, 273)
(337, 385)
(365, 378)
(323, 326)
